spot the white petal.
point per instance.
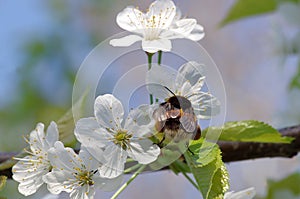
(125, 41)
(115, 159)
(197, 33)
(52, 134)
(89, 133)
(37, 138)
(153, 46)
(106, 184)
(158, 78)
(140, 122)
(29, 172)
(84, 192)
(191, 71)
(244, 194)
(58, 181)
(24, 171)
(90, 162)
(63, 158)
(178, 15)
(171, 34)
(109, 111)
(143, 151)
(131, 19)
(30, 180)
(30, 187)
(205, 105)
(184, 89)
(164, 12)
(185, 26)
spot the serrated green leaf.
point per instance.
(288, 186)
(212, 178)
(220, 178)
(2, 182)
(247, 8)
(248, 131)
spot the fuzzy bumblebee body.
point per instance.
(177, 120)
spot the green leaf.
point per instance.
(209, 171)
(2, 182)
(248, 131)
(285, 188)
(206, 150)
(246, 8)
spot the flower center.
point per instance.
(152, 25)
(85, 177)
(122, 138)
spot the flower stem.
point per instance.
(159, 63)
(131, 169)
(159, 57)
(121, 189)
(150, 55)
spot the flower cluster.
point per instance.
(107, 140)
(106, 143)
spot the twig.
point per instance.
(237, 151)
(234, 151)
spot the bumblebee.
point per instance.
(175, 118)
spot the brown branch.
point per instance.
(235, 151)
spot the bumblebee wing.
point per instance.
(188, 121)
(160, 114)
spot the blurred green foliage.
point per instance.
(42, 52)
(284, 188)
(248, 8)
(242, 9)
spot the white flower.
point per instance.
(244, 194)
(76, 174)
(30, 169)
(156, 27)
(186, 82)
(119, 138)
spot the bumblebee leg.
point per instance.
(189, 149)
(162, 140)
